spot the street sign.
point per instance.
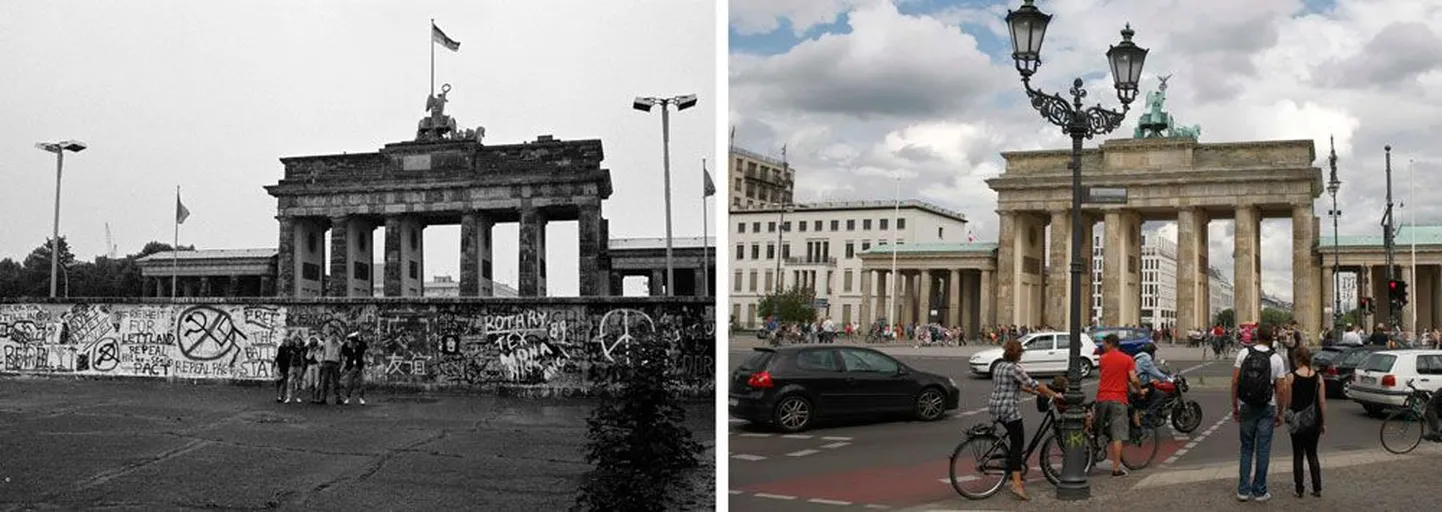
(1104, 195)
(820, 304)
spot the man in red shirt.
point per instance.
(1118, 376)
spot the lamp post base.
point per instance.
(1073, 491)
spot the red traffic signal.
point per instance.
(1391, 285)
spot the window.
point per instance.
(900, 223)
(866, 224)
(816, 226)
(415, 239)
(736, 281)
(786, 226)
(769, 278)
(865, 244)
(310, 242)
(361, 271)
(835, 225)
(846, 282)
(740, 227)
(755, 251)
(361, 242)
(770, 227)
(1429, 365)
(756, 227)
(751, 315)
(883, 224)
(866, 361)
(753, 281)
(817, 361)
(938, 233)
(801, 225)
(1378, 363)
(851, 224)
(850, 249)
(785, 251)
(415, 269)
(770, 251)
(1042, 342)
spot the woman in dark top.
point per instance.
(1305, 389)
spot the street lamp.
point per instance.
(1332, 185)
(682, 102)
(1028, 28)
(781, 229)
(59, 148)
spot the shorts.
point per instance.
(1113, 420)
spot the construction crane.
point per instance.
(109, 243)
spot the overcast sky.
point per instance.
(209, 95)
(864, 89)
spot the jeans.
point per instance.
(355, 380)
(1305, 446)
(329, 381)
(1256, 429)
(1016, 444)
(282, 381)
(297, 382)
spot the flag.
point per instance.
(970, 237)
(181, 212)
(709, 185)
(440, 37)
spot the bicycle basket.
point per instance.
(1042, 403)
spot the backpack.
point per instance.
(1255, 386)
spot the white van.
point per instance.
(1380, 382)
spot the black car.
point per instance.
(790, 388)
(1337, 363)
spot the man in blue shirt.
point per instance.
(1148, 372)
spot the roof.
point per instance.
(934, 248)
(855, 205)
(1406, 235)
(679, 242)
(212, 254)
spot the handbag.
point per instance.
(1305, 420)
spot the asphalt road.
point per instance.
(904, 463)
(136, 445)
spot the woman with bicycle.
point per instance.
(1009, 381)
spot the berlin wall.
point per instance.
(557, 346)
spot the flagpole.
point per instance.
(705, 244)
(891, 307)
(175, 249)
(432, 36)
(1412, 214)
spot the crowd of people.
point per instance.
(322, 369)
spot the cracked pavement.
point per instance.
(143, 445)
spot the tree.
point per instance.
(637, 438)
(104, 277)
(1226, 317)
(1352, 317)
(789, 306)
(1274, 318)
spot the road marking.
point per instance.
(747, 457)
(878, 507)
(836, 438)
(735, 492)
(1194, 442)
(803, 453)
(829, 502)
(835, 445)
(749, 434)
(796, 436)
(1203, 365)
(774, 496)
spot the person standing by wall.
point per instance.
(282, 368)
(1258, 379)
(297, 370)
(330, 369)
(354, 355)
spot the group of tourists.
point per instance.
(318, 369)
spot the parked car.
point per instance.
(1380, 382)
(790, 388)
(1044, 353)
(1337, 363)
(1132, 338)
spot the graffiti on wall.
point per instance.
(447, 345)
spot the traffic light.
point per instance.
(1366, 305)
(1397, 292)
(1402, 292)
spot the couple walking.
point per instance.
(1262, 386)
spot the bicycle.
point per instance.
(1098, 440)
(1410, 418)
(991, 452)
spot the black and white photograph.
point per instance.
(325, 255)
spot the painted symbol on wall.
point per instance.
(106, 355)
(620, 327)
(204, 333)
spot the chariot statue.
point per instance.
(1157, 123)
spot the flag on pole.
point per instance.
(440, 37)
(970, 236)
(181, 212)
(710, 186)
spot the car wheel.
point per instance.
(793, 414)
(930, 404)
(1346, 388)
(1085, 368)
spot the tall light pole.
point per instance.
(780, 229)
(682, 102)
(1028, 27)
(1389, 234)
(1333, 185)
(895, 221)
(59, 148)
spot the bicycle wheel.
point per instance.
(1187, 417)
(1401, 432)
(1052, 456)
(1138, 452)
(978, 467)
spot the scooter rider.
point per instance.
(1149, 374)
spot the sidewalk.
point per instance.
(1365, 479)
(1179, 352)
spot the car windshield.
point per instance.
(1325, 357)
(1378, 363)
(1353, 358)
(756, 360)
(1122, 334)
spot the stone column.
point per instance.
(393, 271)
(618, 284)
(340, 272)
(1192, 280)
(883, 291)
(655, 285)
(972, 298)
(924, 281)
(1121, 283)
(1304, 269)
(1246, 258)
(865, 315)
(588, 229)
(953, 298)
(232, 286)
(309, 262)
(285, 258)
(987, 291)
(1329, 290)
(533, 252)
(1435, 295)
(1088, 287)
(204, 286)
(267, 286)
(1008, 260)
(476, 272)
(1058, 292)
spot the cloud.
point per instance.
(765, 16)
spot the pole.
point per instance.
(666, 168)
(891, 300)
(780, 228)
(705, 244)
(175, 249)
(1073, 482)
(1412, 223)
(55, 228)
(433, 56)
(1389, 246)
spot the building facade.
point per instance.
(759, 181)
(1220, 295)
(817, 246)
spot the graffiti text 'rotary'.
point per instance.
(204, 333)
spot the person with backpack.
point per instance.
(1258, 379)
(1305, 414)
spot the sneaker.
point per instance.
(1298, 493)
(345, 401)
(1316, 494)
(1263, 498)
(279, 400)
(362, 400)
(1243, 497)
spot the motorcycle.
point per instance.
(1185, 415)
